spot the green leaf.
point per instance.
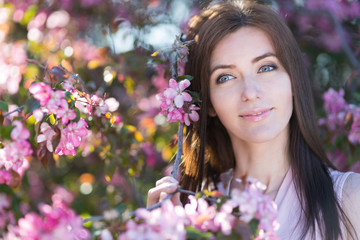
(195, 234)
(233, 236)
(5, 132)
(4, 106)
(69, 96)
(182, 77)
(29, 14)
(77, 115)
(31, 105)
(254, 223)
(194, 95)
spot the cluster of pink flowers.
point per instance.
(12, 65)
(52, 102)
(338, 114)
(169, 222)
(71, 137)
(55, 102)
(13, 155)
(177, 104)
(253, 204)
(56, 221)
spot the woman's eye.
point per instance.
(224, 78)
(267, 68)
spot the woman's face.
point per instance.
(250, 91)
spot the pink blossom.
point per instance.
(118, 119)
(38, 21)
(53, 223)
(191, 113)
(47, 134)
(101, 108)
(14, 154)
(38, 115)
(71, 137)
(201, 214)
(166, 222)
(12, 65)
(112, 104)
(69, 84)
(175, 115)
(67, 115)
(41, 92)
(5, 176)
(253, 204)
(59, 106)
(176, 92)
(19, 132)
(57, 102)
(176, 103)
(58, 19)
(62, 197)
(354, 134)
(336, 108)
(224, 219)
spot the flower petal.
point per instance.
(179, 101)
(187, 97)
(41, 138)
(194, 116)
(184, 84)
(173, 84)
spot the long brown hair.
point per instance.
(208, 149)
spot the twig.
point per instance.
(174, 66)
(179, 150)
(19, 109)
(94, 218)
(33, 61)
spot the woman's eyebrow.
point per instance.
(265, 55)
(222, 66)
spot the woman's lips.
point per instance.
(256, 115)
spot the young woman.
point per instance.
(257, 116)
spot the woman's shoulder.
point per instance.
(351, 191)
(351, 200)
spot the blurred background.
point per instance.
(109, 43)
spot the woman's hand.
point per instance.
(163, 187)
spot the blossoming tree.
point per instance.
(78, 152)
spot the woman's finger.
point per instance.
(166, 179)
(163, 195)
(154, 193)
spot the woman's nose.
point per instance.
(250, 90)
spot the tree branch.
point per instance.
(19, 109)
(179, 150)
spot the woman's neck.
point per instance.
(267, 162)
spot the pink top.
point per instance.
(289, 206)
